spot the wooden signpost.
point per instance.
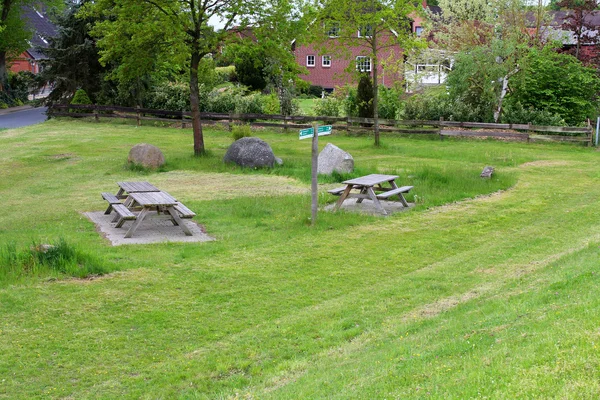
(310, 133)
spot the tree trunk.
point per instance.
(375, 91)
(498, 111)
(3, 71)
(195, 105)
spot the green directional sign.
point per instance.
(324, 130)
(307, 133)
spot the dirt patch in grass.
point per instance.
(208, 186)
(546, 163)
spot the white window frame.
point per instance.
(361, 64)
(335, 28)
(365, 28)
(326, 61)
(418, 31)
(314, 60)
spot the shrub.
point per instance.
(350, 100)
(271, 104)
(390, 103)
(302, 86)
(240, 131)
(250, 104)
(172, 96)
(226, 74)
(80, 97)
(315, 90)
(329, 106)
(517, 114)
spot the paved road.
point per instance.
(20, 118)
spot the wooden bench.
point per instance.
(123, 213)
(112, 200)
(337, 191)
(390, 193)
(183, 211)
(398, 192)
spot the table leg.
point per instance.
(362, 191)
(342, 197)
(373, 197)
(400, 196)
(137, 222)
(180, 223)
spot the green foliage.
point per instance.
(240, 131)
(302, 86)
(515, 113)
(250, 104)
(81, 97)
(271, 104)
(390, 102)
(557, 83)
(364, 97)
(474, 82)
(21, 84)
(226, 74)
(329, 106)
(172, 96)
(315, 90)
(249, 63)
(73, 60)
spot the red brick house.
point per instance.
(42, 29)
(328, 71)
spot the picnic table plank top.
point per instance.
(133, 187)
(148, 199)
(371, 180)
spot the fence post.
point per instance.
(96, 117)
(138, 116)
(441, 121)
(230, 124)
(348, 124)
(285, 124)
(182, 119)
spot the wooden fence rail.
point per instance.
(442, 128)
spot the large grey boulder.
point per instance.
(250, 152)
(332, 158)
(146, 155)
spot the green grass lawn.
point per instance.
(486, 289)
(307, 105)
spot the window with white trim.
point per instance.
(419, 31)
(326, 61)
(365, 31)
(333, 30)
(310, 61)
(363, 64)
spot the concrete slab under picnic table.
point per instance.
(154, 229)
(368, 207)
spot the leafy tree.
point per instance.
(73, 59)
(557, 83)
(577, 22)
(492, 38)
(384, 25)
(249, 61)
(139, 34)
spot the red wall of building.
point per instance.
(24, 63)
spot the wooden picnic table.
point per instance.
(134, 187)
(149, 201)
(144, 197)
(367, 186)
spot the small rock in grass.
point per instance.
(487, 172)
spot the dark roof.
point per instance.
(37, 20)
